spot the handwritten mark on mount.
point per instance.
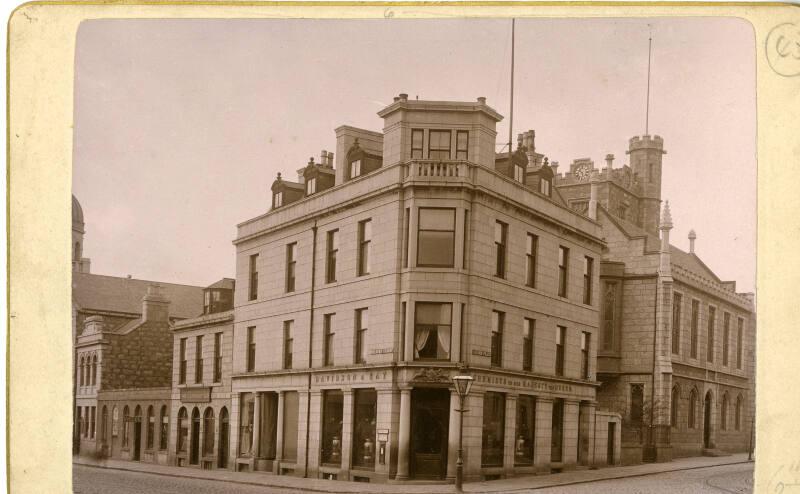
(783, 49)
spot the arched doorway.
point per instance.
(224, 428)
(194, 457)
(707, 421)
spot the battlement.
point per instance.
(645, 142)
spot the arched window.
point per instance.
(81, 371)
(692, 409)
(183, 429)
(78, 252)
(104, 425)
(94, 370)
(674, 406)
(738, 417)
(151, 427)
(724, 412)
(125, 419)
(114, 421)
(162, 440)
(208, 430)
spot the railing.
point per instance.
(437, 169)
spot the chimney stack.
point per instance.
(403, 97)
(155, 306)
(329, 161)
(323, 157)
(609, 162)
(554, 166)
(593, 197)
(692, 237)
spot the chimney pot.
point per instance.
(403, 97)
(323, 157)
(482, 100)
(396, 99)
(330, 159)
(692, 237)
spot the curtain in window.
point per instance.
(420, 339)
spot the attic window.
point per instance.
(355, 168)
(519, 174)
(277, 200)
(544, 186)
(311, 186)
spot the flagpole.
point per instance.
(647, 111)
(511, 105)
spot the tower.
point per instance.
(79, 263)
(645, 160)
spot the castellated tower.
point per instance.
(645, 161)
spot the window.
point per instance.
(151, 427)
(246, 423)
(588, 271)
(288, 344)
(114, 420)
(362, 323)
(332, 248)
(557, 431)
(332, 408)
(92, 422)
(327, 339)
(724, 412)
(198, 359)
(217, 357)
(436, 237)
(673, 411)
(253, 291)
(364, 416)
(494, 408)
(637, 403)
(586, 342)
(519, 174)
(432, 325)
(311, 185)
(182, 371)
(183, 430)
(712, 314)
(94, 370)
(739, 334)
(439, 145)
(498, 320)
(406, 233)
(355, 168)
(726, 337)
(81, 372)
(416, 144)
(466, 240)
(691, 418)
(530, 260)
(208, 432)
(462, 145)
(694, 327)
(125, 420)
(291, 264)
(251, 348)
(526, 430)
(500, 239)
(164, 432)
(527, 344)
(677, 300)
(738, 413)
(544, 186)
(609, 315)
(561, 335)
(563, 266)
(364, 239)
(277, 200)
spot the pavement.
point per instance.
(523, 483)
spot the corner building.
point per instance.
(417, 254)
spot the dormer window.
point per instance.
(544, 186)
(277, 200)
(355, 168)
(311, 186)
(519, 174)
(439, 145)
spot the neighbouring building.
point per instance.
(201, 382)
(372, 281)
(676, 355)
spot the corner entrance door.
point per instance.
(137, 438)
(430, 422)
(707, 422)
(194, 457)
(224, 425)
(612, 429)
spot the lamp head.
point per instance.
(463, 384)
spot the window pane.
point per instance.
(432, 313)
(436, 249)
(494, 407)
(364, 417)
(526, 428)
(332, 406)
(437, 219)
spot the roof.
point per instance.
(77, 214)
(225, 283)
(115, 294)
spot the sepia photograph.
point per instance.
(432, 255)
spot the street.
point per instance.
(737, 478)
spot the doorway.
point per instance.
(707, 422)
(194, 457)
(137, 434)
(224, 426)
(430, 423)
(612, 430)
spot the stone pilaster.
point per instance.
(544, 434)
(452, 435)
(276, 465)
(509, 441)
(404, 435)
(347, 433)
(571, 409)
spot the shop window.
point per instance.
(183, 430)
(246, 424)
(332, 407)
(163, 436)
(253, 278)
(291, 265)
(436, 237)
(526, 430)
(416, 144)
(332, 249)
(677, 300)
(362, 323)
(364, 241)
(498, 321)
(291, 411)
(151, 427)
(500, 241)
(364, 416)
(529, 330)
(557, 431)
(432, 329)
(439, 145)
(208, 432)
(494, 407)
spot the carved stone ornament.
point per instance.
(430, 375)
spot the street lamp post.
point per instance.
(463, 383)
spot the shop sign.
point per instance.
(481, 353)
(381, 351)
(352, 377)
(522, 383)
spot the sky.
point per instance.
(181, 126)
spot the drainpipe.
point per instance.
(310, 338)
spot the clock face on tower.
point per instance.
(582, 172)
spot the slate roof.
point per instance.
(115, 294)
